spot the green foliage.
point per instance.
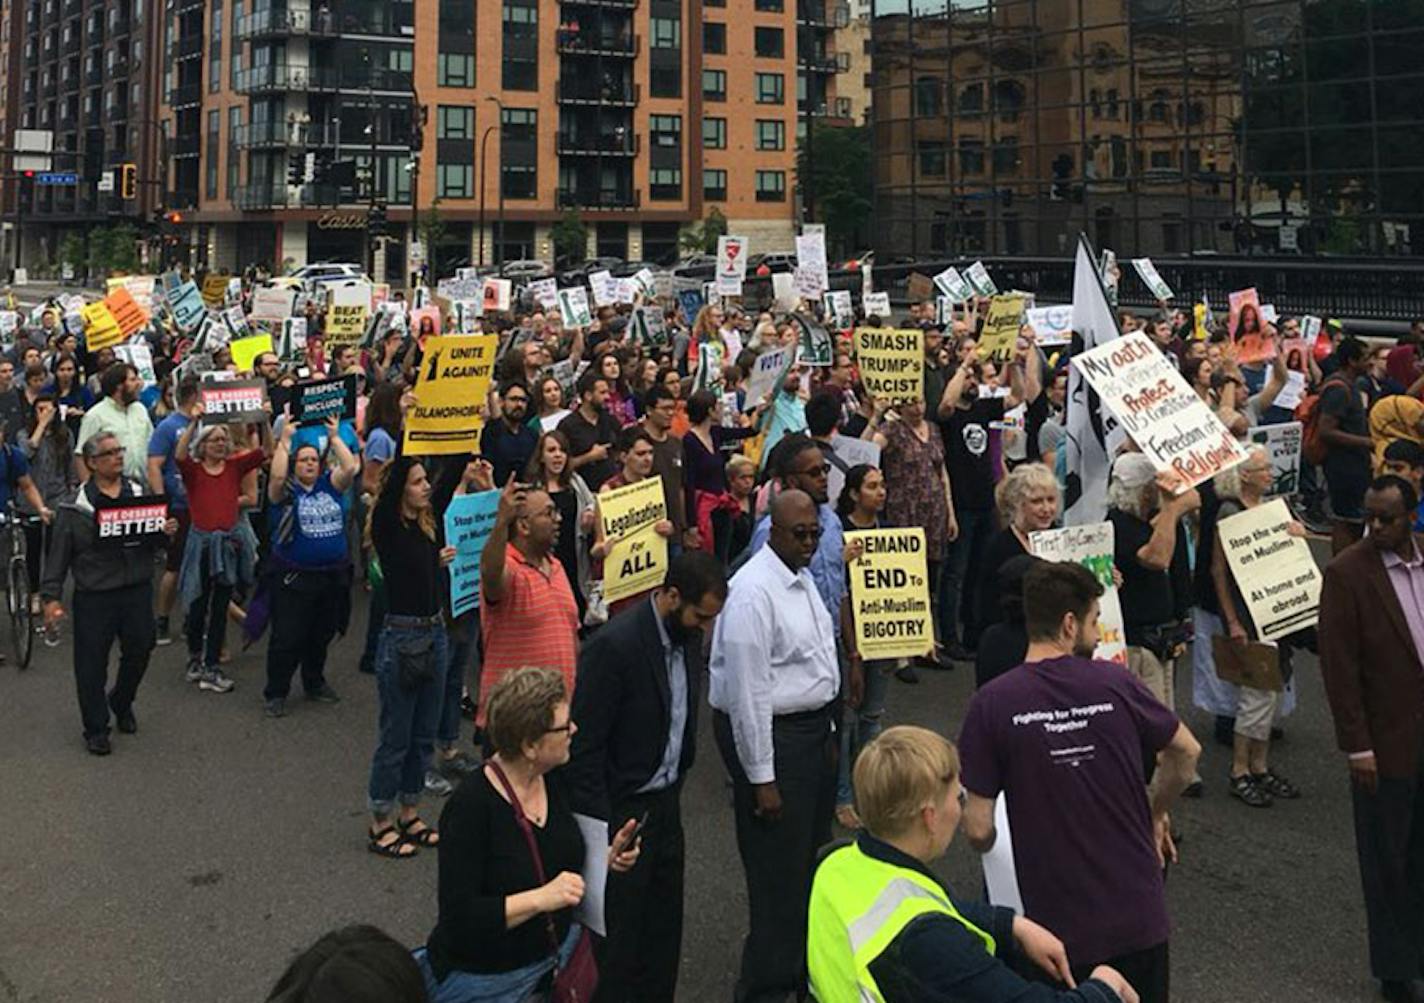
(431, 228)
(834, 173)
(114, 248)
(71, 249)
(701, 238)
(570, 238)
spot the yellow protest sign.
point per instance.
(101, 330)
(892, 363)
(125, 310)
(245, 350)
(1201, 313)
(450, 390)
(1000, 332)
(890, 594)
(215, 289)
(638, 560)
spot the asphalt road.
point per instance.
(195, 861)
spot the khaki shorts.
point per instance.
(1157, 676)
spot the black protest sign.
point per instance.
(129, 522)
(313, 403)
(233, 401)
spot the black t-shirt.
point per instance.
(1342, 401)
(1149, 598)
(410, 565)
(508, 452)
(583, 436)
(1035, 415)
(966, 453)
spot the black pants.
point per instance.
(305, 607)
(1146, 971)
(36, 546)
(643, 907)
(1389, 837)
(207, 619)
(779, 857)
(99, 618)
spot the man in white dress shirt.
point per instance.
(774, 686)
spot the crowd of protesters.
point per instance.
(586, 710)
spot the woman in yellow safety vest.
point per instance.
(884, 929)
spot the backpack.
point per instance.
(1307, 412)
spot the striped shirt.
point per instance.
(535, 623)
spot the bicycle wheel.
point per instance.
(22, 633)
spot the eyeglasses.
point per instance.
(114, 451)
(823, 468)
(566, 726)
(804, 533)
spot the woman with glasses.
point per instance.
(48, 445)
(500, 922)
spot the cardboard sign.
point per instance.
(953, 286)
(131, 521)
(1150, 278)
(425, 323)
(573, 307)
(293, 343)
(691, 302)
(234, 321)
(1248, 327)
(1274, 570)
(1000, 332)
(813, 345)
(186, 305)
(979, 280)
(783, 292)
(273, 304)
(450, 391)
(496, 294)
(637, 556)
(1090, 545)
(1253, 664)
(731, 264)
(126, 312)
(469, 520)
(1145, 392)
(890, 594)
(233, 401)
(348, 306)
(1282, 444)
(604, 288)
(811, 276)
(876, 305)
(839, 306)
(643, 279)
(767, 373)
(919, 287)
(892, 363)
(246, 350)
(1052, 325)
(141, 358)
(313, 403)
(651, 326)
(215, 290)
(545, 292)
(101, 330)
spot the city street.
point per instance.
(192, 863)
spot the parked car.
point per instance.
(696, 266)
(328, 270)
(525, 270)
(578, 274)
(630, 268)
(767, 264)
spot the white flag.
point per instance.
(1090, 427)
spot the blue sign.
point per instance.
(57, 178)
(469, 520)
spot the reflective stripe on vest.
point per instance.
(859, 905)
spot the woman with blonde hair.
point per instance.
(1027, 501)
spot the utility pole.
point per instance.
(483, 145)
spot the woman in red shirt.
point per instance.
(218, 556)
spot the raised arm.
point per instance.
(494, 576)
(281, 461)
(347, 463)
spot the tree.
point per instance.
(701, 238)
(834, 173)
(71, 250)
(430, 229)
(114, 249)
(570, 238)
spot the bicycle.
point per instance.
(17, 584)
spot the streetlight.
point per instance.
(484, 139)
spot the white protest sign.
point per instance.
(1090, 545)
(766, 372)
(812, 277)
(877, 305)
(840, 308)
(496, 295)
(573, 307)
(273, 304)
(1148, 273)
(1052, 324)
(643, 279)
(1310, 329)
(1282, 444)
(1268, 313)
(625, 290)
(545, 292)
(141, 358)
(978, 277)
(953, 286)
(1274, 570)
(604, 287)
(1291, 394)
(1145, 392)
(783, 292)
(731, 264)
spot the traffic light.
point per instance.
(174, 217)
(296, 167)
(376, 220)
(128, 181)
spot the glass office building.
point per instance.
(1158, 127)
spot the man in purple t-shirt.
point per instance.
(1069, 741)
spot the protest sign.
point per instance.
(643, 279)
(140, 356)
(1310, 329)
(783, 292)
(130, 521)
(9, 323)
(1145, 392)
(1268, 313)
(840, 309)
(1052, 325)
(462, 287)
(347, 307)
(876, 305)
(573, 307)
(650, 325)
(1247, 327)
(126, 312)
(852, 453)
(731, 264)
(233, 295)
(1110, 273)
(563, 371)
(273, 304)
(1282, 444)
(545, 292)
(1147, 271)
(1000, 332)
(953, 286)
(892, 363)
(811, 271)
(1090, 545)
(425, 322)
(1297, 354)
(711, 356)
(1201, 318)
(467, 316)
(806, 285)
(637, 556)
(766, 375)
(245, 350)
(604, 288)
(979, 280)
(215, 290)
(469, 519)
(450, 392)
(294, 339)
(1291, 394)
(101, 330)
(813, 342)
(1273, 569)
(890, 594)
(867, 280)
(691, 302)
(235, 322)
(625, 291)
(919, 288)
(233, 401)
(312, 403)
(186, 305)
(496, 295)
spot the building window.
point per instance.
(927, 90)
(214, 75)
(520, 65)
(971, 156)
(1161, 160)
(665, 183)
(770, 134)
(1006, 155)
(771, 6)
(714, 85)
(714, 3)
(971, 100)
(932, 158)
(234, 162)
(453, 122)
(665, 33)
(214, 148)
(714, 38)
(770, 43)
(455, 70)
(665, 130)
(770, 88)
(714, 185)
(714, 133)
(519, 149)
(454, 181)
(771, 186)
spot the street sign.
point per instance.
(57, 178)
(106, 181)
(37, 144)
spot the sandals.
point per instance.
(398, 848)
(424, 836)
(1275, 785)
(1249, 792)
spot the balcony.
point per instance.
(188, 145)
(94, 76)
(599, 198)
(120, 26)
(276, 77)
(831, 62)
(186, 47)
(72, 45)
(597, 146)
(117, 112)
(818, 15)
(120, 68)
(185, 95)
(619, 4)
(276, 195)
(286, 23)
(625, 47)
(585, 92)
(258, 134)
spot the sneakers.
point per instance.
(160, 629)
(1245, 789)
(50, 635)
(455, 767)
(276, 707)
(437, 785)
(324, 695)
(98, 745)
(194, 671)
(214, 680)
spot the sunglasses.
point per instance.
(803, 533)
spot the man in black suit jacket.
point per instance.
(635, 701)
